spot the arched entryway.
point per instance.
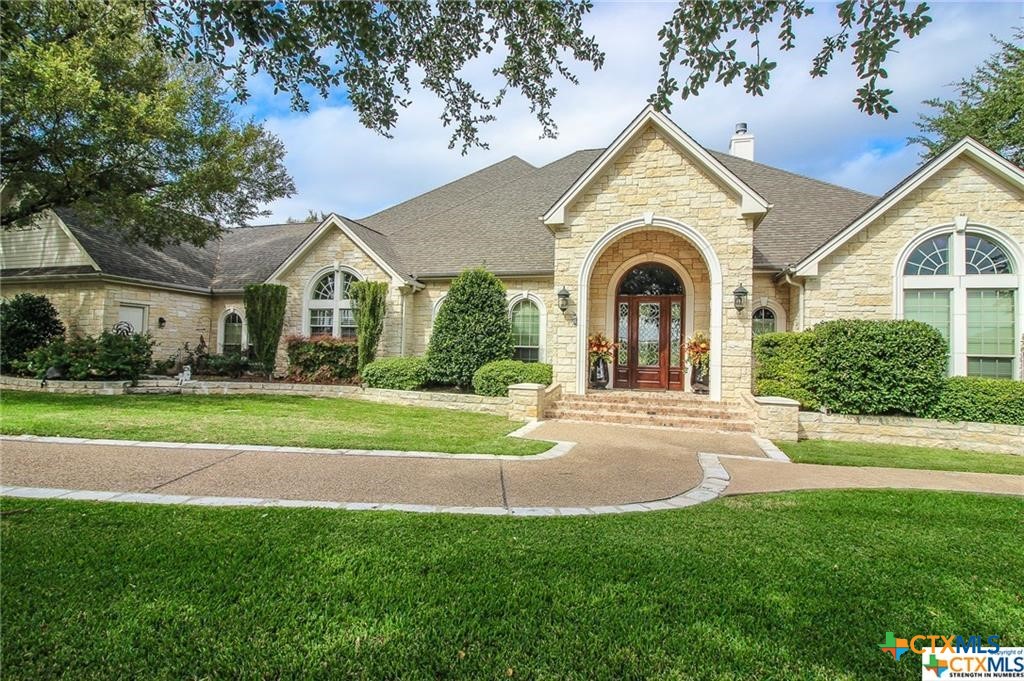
(649, 328)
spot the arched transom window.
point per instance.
(231, 340)
(526, 330)
(967, 286)
(328, 305)
(764, 320)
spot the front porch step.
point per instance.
(701, 409)
(729, 424)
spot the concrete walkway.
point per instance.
(611, 469)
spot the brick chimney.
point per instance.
(742, 143)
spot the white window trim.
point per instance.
(777, 310)
(220, 328)
(145, 314)
(337, 304)
(542, 310)
(959, 282)
(436, 307)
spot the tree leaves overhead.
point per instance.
(989, 107)
(374, 50)
(96, 117)
(708, 38)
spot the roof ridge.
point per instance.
(357, 222)
(791, 173)
(448, 184)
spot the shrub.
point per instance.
(107, 357)
(878, 367)
(264, 309)
(324, 359)
(396, 373)
(27, 321)
(991, 400)
(472, 328)
(783, 365)
(370, 298)
(233, 365)
(494, 378)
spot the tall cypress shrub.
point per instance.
(370, 298)
(264, 311)
(472, 328)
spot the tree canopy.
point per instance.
(989, 107)
(96, 116)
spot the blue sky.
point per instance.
(803, 125)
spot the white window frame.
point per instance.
(336, 304)
(517, 298)
(776, 308)
(436, 307)
(220, 328)
(958, 282)
(145, 314)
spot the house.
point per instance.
(647, 240)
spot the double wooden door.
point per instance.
(649, 331)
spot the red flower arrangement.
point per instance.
(698, 352)
(600, 347)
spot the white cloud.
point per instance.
(804, 125)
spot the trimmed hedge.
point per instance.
(494, 378)
(27, 321)
(396, 373)
(107, 357)
(264, 310)
(783, 365)
(472, 328)
(970, 398)
(878, 367)
(233, 365)
(318, 360)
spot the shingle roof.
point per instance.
(490, 218)
(804, 213)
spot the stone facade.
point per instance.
(653, 176)
(856, 281)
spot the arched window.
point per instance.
(526, 330)
(764, 320)
(963, 284)
(650, 279)
(329, 307)
(231, 342)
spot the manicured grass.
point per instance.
(262, 420)
(895, 456)
(797, 585)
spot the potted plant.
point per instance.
(601, 348)
(698, 358)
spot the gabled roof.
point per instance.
(968, 147)
(751, 203)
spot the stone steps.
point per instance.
(664, 409)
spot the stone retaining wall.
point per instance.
(501, 406)
(976, 437)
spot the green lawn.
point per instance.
(895, 456)
(796, 585)
(260, 419)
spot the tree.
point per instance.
(989, 107)
(264, 310)
(702, 35)
(371, 299)
(472, 328)
(27, 321)
(96, 116)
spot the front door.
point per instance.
(649, 332)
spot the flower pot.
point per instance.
(599, 374)
(698, 380)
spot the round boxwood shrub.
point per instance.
(472, 328)
(494, 378)
(783, 365)
(27, 321)
(396, 373)
(878, 367)
(970, 398)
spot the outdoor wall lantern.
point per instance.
(563, 299)
(739, 297)
(161, 322)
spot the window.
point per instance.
(764, 321)
(131, 318)
(231, 334)
(650, 279)
(329, 307)
(963, 284)
(525, 330)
